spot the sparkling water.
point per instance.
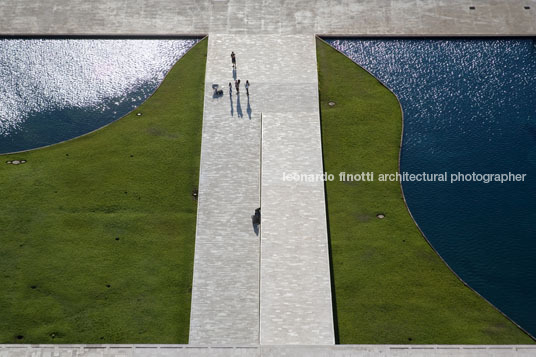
(54, 90)
(469, 106)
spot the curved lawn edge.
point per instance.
(424, 235)
(529, 338)
(201, 38)
(100, 229)
(409, 210)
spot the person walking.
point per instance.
(247, 87)
(233, 59)
(237, 86)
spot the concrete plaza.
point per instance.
(328, 17)
(264, 351)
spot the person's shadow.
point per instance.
(238, 106)
(231, 101)
(234, 73)
(256, 221)
(248, 110)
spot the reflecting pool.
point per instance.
(469, 106)
(56, 89)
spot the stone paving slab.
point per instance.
(266, 351)
(397, 351)
(168, 17)
(225, 292)
(295, 292)
(296, 306)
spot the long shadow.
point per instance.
(248, 110)
(231, 101)
(234, 74)
(330, 252)
(333, 295)
(238, 106)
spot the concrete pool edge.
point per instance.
(399, 16)
(157, 350)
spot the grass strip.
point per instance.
(98, 232)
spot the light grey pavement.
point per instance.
(295, 292)
(168, 17)
(225, 292)
(296, 306)
(265, 351)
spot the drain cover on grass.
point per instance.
(15, 162)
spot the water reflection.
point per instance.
(53, 90)
(469, 107)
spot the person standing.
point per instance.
(233, 59)
(230, 88)
(247, 87)
(237, 86)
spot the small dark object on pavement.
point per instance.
(217, 92)
(257, 216)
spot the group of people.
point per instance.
(237, 81)
(237, 87)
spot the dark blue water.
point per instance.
(469, 106)
(54, 90)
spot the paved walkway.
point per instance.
(172, 17)
(225, 293)
(265, 351)
(296, 303)
(295, 293)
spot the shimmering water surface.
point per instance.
(54, 90)
(469, 106)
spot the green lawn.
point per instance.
(390, 286)
(97, 233)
